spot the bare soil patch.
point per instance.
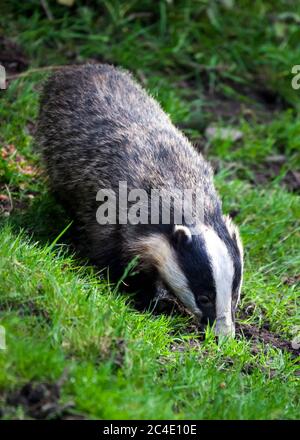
(41, 400)
(291, 280)
(28, 308)
(271, 169)
(258, 335)
(167, 305)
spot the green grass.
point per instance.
(59, 315)
(86, 323)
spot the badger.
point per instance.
(98, 127)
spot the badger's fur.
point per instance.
(98, 127)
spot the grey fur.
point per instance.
(97, 127)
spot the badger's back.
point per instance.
(98, 127)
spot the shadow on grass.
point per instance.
(46, 222)
(43, 220)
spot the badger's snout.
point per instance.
(205, 321)
(225, 327)
(222, 326)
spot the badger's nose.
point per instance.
(205, 320)
(225, 327)
(202, 325)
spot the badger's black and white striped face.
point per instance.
(212, 265)
(203, 269)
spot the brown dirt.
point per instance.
(9, 196)
(291, 280)
(10, 203)
(113, 349)
(41, 401)
(259, 103)
(221, 107)
(28, 308)
(271, 169)
(250, 332)
(257, 335)
(168, 305)
(292, 180)
(120, 348)
(13, 158)
(264, 173)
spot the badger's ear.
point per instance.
(181, 235)
(234, 233)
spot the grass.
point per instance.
(59, 315)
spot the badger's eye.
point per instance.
(204, 299)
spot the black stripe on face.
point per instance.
(237, 263)
(195, 264)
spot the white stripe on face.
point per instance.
(234, 233)
(158, 252)
(223, 272)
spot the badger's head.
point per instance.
(202, 267)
